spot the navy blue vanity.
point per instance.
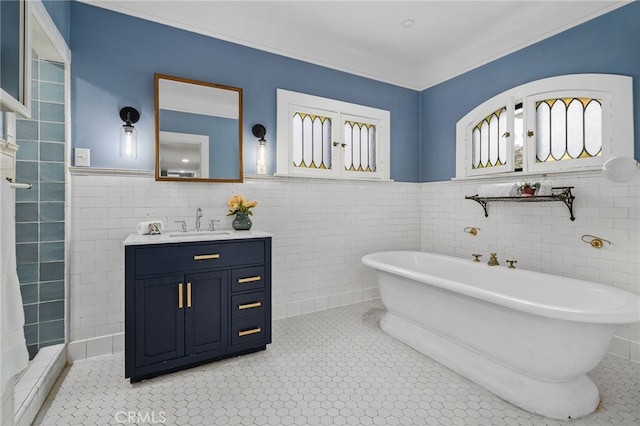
(194, 299)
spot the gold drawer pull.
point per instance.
(249, 279)
(180, 301)
(206, 256)
(248, 332)
(188, 295)
(250, 305)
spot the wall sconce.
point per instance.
(128, 136)
(261, 153)
(620, 169)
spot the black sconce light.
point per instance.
(128, 134)
(261, 154)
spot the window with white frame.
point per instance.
(566, 123)
(325, 138)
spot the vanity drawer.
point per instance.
(244, 279)
(248, 305)
(197, 256)
(248, 330)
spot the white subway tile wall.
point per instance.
(322, 229)
(541, 237)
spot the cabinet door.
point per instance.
(159, 319)
(206, 313)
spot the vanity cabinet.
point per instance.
(189, 303)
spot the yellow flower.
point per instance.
(240, 204)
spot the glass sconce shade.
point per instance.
(128, 134)
(128, 142)
(261, 152)
(620, 169)
(261, 158)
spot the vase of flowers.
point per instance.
(241, 208)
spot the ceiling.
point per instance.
(373, 38)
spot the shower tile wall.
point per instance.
(40, 210)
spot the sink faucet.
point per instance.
(183, 225)
(198, 216)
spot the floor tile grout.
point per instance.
(334, 367)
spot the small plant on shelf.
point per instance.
(528, 189)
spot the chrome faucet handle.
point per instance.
(476, 257)
(212, 224)
(183, 227)
(511, 262)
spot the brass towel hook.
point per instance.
(596, 242)
(471, 230)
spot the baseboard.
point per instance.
(321, 303)
(97, 346)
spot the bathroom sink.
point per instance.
(198, 233)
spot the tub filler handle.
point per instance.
(476, 257)
(511, 262)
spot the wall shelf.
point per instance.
(559, 193)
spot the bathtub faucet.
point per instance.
(493, 260)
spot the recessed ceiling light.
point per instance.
(185, 160)
(407, 23)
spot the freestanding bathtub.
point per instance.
(526, 336)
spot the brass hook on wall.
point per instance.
(471, 230)
(596, 242)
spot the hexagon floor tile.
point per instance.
(334, 367)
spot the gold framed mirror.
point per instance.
(198, 130)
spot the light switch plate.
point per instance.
(82, 157)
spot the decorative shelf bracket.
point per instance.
(559, 193)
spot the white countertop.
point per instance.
(192, 236)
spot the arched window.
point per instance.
(564, 123)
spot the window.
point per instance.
(324, 138)
(557, 124)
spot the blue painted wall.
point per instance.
(115, 57)
(10, 32)
(60, 13)
(607, 44)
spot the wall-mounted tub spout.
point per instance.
(471, 230)
(596, 242)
